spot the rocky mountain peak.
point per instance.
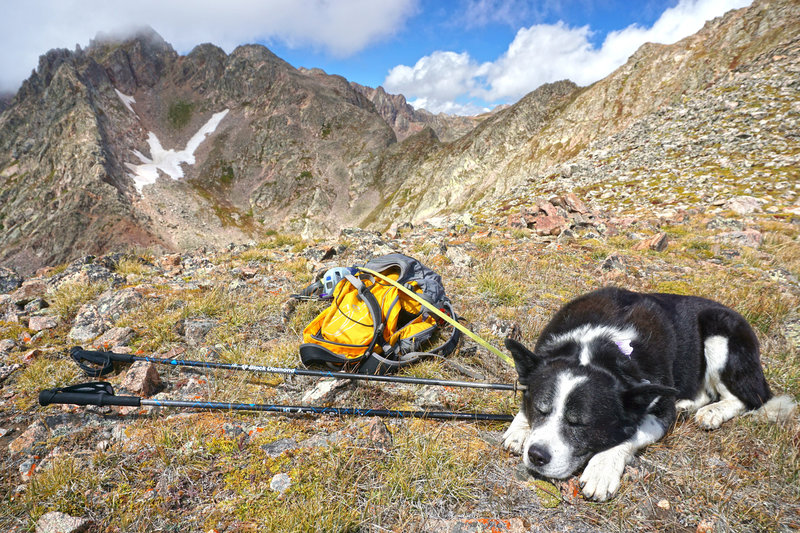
(144, 37)
(405, 120)
(138, 60)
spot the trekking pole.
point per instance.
(102, 393)
(102, 363)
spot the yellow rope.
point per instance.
(442, 315)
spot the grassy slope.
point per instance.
(204, 471)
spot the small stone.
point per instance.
(88, 324)
(505, 328)
(119, 433)
(6, 345)
(663, 504)
(429, 399)
(93, 319)
(379, 435)
(459, 257)
(476, 525)
(749, 237)
(9, 312)
(114, 337)
(197, 330)
(657, 243)
(546, 207)
(113, 304)
(55, 522)
(30, 438)
(325, 391)
(29, 291)
(516, 220)
(613, 262)
(744, 205)
(280, 483)
(142, 378)
(27, 468)
(35, 305)
(233, 431)
(171, 263)
(7, 370)
(726, 223)
(9, 281)
(575, 204)
(274, 449)
(39, 323)
(549, 225)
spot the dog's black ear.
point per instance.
(638, 398)
(525, 360)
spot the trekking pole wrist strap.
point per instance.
(97, 363)
(98, 393)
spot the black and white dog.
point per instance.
(609, 371)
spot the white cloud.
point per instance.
(450, 108)
(341, 28)
(436, 80)
(545, 53)
(539, 54)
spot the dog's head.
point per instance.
(574, 410)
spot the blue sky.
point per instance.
(444, 25)
(455, 56)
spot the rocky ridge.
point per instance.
(406, 121)
(736, 138)
(515, 147)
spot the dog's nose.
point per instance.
(538, 456)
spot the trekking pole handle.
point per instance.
(97, 363)
(98, 393)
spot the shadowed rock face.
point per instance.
(301, 151)
(293, 152)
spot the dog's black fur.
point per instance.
(606, 373)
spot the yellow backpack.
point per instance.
(371, 326)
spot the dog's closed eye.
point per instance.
(574, 418)
(542, 406)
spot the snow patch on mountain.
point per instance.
(169, 161)
(126, 100)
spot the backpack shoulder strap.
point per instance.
(311, 353)
(374, 308)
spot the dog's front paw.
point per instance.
(517, 432)
(601, 477)
(514, 439)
